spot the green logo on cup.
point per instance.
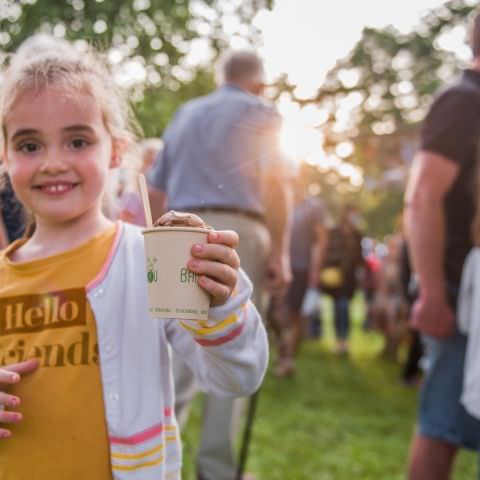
(187, 276)
(152, 275)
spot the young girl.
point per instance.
(85, 381)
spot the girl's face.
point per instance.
(58, 153)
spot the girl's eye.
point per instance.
(79, 143)
(29, 147)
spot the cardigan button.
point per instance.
(110, 348)
(114, 396)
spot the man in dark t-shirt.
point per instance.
(452, 130)
(440, 205)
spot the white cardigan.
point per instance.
(228, 358)
(469, 324)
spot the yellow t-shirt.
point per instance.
(44, 313)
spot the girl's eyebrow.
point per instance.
(24, 131)
(72, 128)
(76, 128)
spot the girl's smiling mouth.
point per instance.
(55, 188)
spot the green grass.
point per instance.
(338, 419)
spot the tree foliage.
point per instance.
(375, 98)
(389, 76)
(157, 35)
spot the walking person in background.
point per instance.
(339, 273)
(221, 159)
(440, 206)
(390, 309)
(373, 265)
(308, 239)
(411, 369)
(86, 373)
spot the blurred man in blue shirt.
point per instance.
(221, 160)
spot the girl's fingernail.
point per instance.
(17, 417)
(14, 377)
(193, 264)
(197, 248)
(14, 401)
(5, 434)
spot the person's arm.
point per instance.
(431, 178)
(319, 249)
(278, 205)
(3, 235)
(228, 354)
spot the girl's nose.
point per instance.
(54, 162)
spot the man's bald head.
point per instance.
(242, 68)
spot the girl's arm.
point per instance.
(228, 354)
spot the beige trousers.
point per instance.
(221, 416)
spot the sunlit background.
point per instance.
(304, 40)
(351, 96)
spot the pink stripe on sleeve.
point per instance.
(138, 437)
(219, 341)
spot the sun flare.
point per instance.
(301, 143)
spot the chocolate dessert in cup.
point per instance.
(173, 290)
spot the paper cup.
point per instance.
(173, 290)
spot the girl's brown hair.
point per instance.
(42, 61)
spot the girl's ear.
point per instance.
(119, 146)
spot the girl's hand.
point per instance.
(9, 376)
(217, 263)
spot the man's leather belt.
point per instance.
(237, 211)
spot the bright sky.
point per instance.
(304, 38)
